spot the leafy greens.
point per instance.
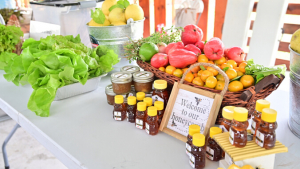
(53, 62)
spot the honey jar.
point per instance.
(121, 82)
(143, 81)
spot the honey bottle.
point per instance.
(131, 109)
(119, 112)
(160, 110)
(213, 151)
(148, 101)
(140, 115)
(160, 92)
(193, 129)
(238, 129)
(256, 119)
(151, 123)
(197, 158)
(140, 96)
(265, 134)
(227, 113)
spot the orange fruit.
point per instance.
(220, 61)
(170, 69)
(220, 85)
(196, 69)
(235, 86)
(247, 81)
(239, 73)
(202, 58)
(220, 78)
(242, 67)
(195, 74)
(178, 73)
(199, 73)
(231, 73)
(211, 62)
(236, 68)
(198, 81)
(242, 62)
(184, 69)
(162, 69)
(205, 74)
(211, 82)
(212, 70)
(225, 65)
(189, 77)
(232, 62)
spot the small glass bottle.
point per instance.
(227, 113)
(238, 129)
(213, 151)
(160, 92)
(197, 158)
(193, 129)
(131, 109)
(265, 135)
(151, 123)
(119, 112)
(140, 115)
(160, 110)
(140, 96)
(256, 119)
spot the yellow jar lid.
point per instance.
(159, 105)
(214, 130)
(193, 129)
(269, 115)
(140, 95)
(131, 100)
(141, 106)
(152, 111)
(160, 84)
(119, 99)
(227, 112)
(261, 104)
(148, 101)
(240, 114)
(198, 140)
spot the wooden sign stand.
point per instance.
(189, 107)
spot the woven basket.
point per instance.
(230, 98)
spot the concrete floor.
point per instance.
(24, 151)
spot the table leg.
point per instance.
(4, 145)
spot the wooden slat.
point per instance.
(203, 20)
(160, 12)
(293, 9)
(145, 4)
(283, 62)
(288, 28)
(220, 11)
(283, 46)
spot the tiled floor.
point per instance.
(24, 152)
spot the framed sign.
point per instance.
(188, 105)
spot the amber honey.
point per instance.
(193, 129)
(238, 129)
(197, 157)
(131, 109)
(160, 92)
(151, 125)
(119, 112)
(213, 151)
(256, 119)
(140, 115)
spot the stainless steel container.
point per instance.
(294, 112)
(114, 37)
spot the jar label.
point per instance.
(259, 138)
(192, 160)
(210, 153)
(148, 95)
(188, 149)
(157, 98)
(139, 123)
(127, 115)
(253, 127)
(121, 76)
(231, 136)
(147, 128)
(117, 115)
(142, 74)
(223, 128)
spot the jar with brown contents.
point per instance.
(140, 115)
(227, 113)
(130, 69)
(121, 82)
(110, 95)
(213, 151)
(131, 109)
(160, 111)
(238, 129)
(160, 92)
(197, 158)
(151, 122)
(143, 81)
(256, 119)
(119, 112)
(193, 129)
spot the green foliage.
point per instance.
(9, 38)
(6, 13)
(98, 16)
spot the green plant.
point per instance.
(6, 13)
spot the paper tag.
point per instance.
(210, 153)
(223, 128)
(259, 138)
(117, 115)
(253, 127)
(139, 123)
(231, 136)
(156, 98)
(147, 128)
(188, 149)
(192, 160)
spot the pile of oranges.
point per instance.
(209, 77)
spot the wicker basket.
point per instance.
(230, 98)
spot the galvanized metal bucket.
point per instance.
(294, 114)
(114, 37)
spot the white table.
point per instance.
(81, 132)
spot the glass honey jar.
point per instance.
(227, 113)
(256, 119)
(238, 129)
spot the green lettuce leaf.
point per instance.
(98, 16)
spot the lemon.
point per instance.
(106, 5)
(135, 12)
(117, 15)
(93, 23)
(118, 23)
